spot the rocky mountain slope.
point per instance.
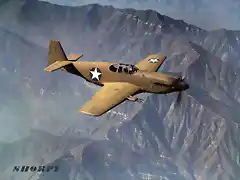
(197, 139)
(39, 148)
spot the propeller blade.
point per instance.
(184, 74)
(178, 100)
(179, 97)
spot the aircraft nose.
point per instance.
(186, 86)
(183, 85)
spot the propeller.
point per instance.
(179, 96)
(181, 78)
(177, 103)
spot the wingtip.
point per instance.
(88, 113)
(48, 69)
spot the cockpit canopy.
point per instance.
(127, 68)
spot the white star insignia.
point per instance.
(153, 60)
(95, 74)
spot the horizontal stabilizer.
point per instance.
(57, 65)
(74, 57)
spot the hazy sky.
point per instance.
(207, 14)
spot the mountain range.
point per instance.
(197, 139)
(203, 13)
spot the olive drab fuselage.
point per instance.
(153, 82)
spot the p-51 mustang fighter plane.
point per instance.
(119, 81)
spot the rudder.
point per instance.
(55, 52)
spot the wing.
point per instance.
(109, 96)
(151, 63)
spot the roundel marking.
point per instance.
(153, 60)
(95, 74)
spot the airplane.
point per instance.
(118, 81)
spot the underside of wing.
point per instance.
(109, 96)
(151, 63)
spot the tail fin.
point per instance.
(57, 58)
(55, 52)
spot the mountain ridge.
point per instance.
(109, 16)
(205, 14)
